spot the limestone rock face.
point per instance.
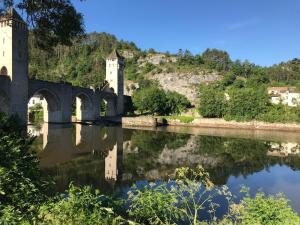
(186, 84)
(185, 156)
(156, 59)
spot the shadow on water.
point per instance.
(114, 158)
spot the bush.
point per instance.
(176, 103)
(266, 210)
(80, 206)
(246, 103)
(22, 189)
(212, 102)
(177, 201)
(182, 119)
(154, 100)
(151, 100)
(280, 114)
(216, 59)
(148, 68)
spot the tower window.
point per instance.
(3, 71)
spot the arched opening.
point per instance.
(82, 108)
(4, 71)
(108, 107)
(4, 103)
(103, 108)
(44, 106)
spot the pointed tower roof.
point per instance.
(11, 14)
(114, 55)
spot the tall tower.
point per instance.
(115, 77)
(14, 60)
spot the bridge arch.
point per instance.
(84, 110)
(51, 105)
(109, 106)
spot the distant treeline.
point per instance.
(83, 63)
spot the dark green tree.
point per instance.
(51, 21)
(216, 59)
(212, 101)
(246, 103)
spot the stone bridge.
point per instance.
(61, 97)
(61, 100)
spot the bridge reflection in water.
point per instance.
(77, 152)
(111, 158)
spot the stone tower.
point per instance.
(14, 60)
(115, 78)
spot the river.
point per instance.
(114, 158)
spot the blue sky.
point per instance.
(262, 31)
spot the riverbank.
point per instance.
(148, 121)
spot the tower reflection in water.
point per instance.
(80, 153)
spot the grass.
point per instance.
(182, 119)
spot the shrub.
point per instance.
(178, 201)
(176, 103)
(154, 100)
(22, 189)
(216, 59)
(246, 103)
(80, 206)
(151, 100)
(212, 102)
(266, 210)
(182, 119)
(280, 114)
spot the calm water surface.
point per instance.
(114, 158)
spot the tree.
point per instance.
(216, 59)
(176, 103)
(212, 101)
(52, 21)
(151, 100)
(22, 189)
(247, 103)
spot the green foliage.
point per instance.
(246, 103)
(216, 59)
(233, 98)
(176, 103)
(153, 100)
(9, 125)
(288, 72)
(89, 53)
(131, 69)
(51, 21)
(266, 210)
(35, 113)
(182, 119)
(154, 204)
(281, 114)
(212, 102)
(80, 206)
(176, 201)
(22, 188)
(148, 67)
